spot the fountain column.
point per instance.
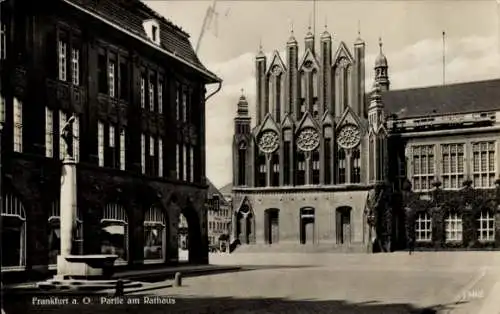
(68, 204)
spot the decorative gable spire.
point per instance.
(242, 105)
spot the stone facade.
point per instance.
(219, 219)
(80, 60)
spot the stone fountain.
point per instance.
(77, 272)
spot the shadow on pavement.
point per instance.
(201, 305)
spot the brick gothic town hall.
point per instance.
(328, 167)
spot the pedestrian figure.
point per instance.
(411, 246)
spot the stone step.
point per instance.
(301, 248)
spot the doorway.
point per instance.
(343, 224)
(307, 225)
(271, 223)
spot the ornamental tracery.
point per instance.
(349, 136)
(276, 70)
(308, 139)
(268, 141)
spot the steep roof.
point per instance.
(130, 15)
(447, 99)
(227, 189)
(212, 190)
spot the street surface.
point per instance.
(433, 282)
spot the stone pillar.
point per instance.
(244, 237)
(68, 204)
(234, 221)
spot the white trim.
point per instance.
(143, 40)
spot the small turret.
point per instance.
(382, 69)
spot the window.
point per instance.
(49, 132)
(275, 164)
(102, 73)
(486, 226)
(75, 66)
(151, 95)
(160, 97)
(315, 167)
(154, 33)
(423, 228)
(483, 154)
(114, 225)
(151, 146)
(453, 227)
(62, 144)
(355, 166)
(301, 169)
(328, 161)
(155, 235)
(177, 104)
(3, 41)
(178, 161)
(160, 157)
(191, 164)
(143, 92)
(261, 180)
(100, 143)
(13, 233)
(112, 79)
(242, 164)
(184, 106)
(122, 149)
(423, 167)
(110, 155)
(76, 139)
(143, 153)
(18, 125)
(111, 136)
(184, 162)
(286, 162)
(62, 62)
(453, 165)
(341, 168)
(3, 104)
(124, 80)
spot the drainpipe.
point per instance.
(215, 92)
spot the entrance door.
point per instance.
(343, 217)
(307, 225)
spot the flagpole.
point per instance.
(444, 58)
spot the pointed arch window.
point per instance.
(13, 233)
(242, 151)
(328, 160)
(315, 166)
(271, 84)
(115, 235)
(54, 233)
(372, 158)
(262, 170)
(155, 235)
(287, 151)
(300, 172)
(303, 85)
(315, 84)
(275, 164)
(355, 166)
(341, 166)
(337, 79)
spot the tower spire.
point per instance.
(380, 44)
(314, 17)
(359, 28)
(444, 58)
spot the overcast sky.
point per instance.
(411, 32)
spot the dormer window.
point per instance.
(152, 29)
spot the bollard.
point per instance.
(119, 288)
(178, 279)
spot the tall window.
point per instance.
(102, 73)
(178, 103)
(484, 164)
(328, 161)
(155, 235)
(122, 149)
(275, 164)
(49, 132)
(112, 79)
(75, 66)
(160, 97)
(151, 157)
(423, 228)
(301, 169)
(315, 167)
(111, 151)
(160, 157)
(355, 166)
(341, 168)
(143, 153)
(453, 165)
(486, 226)
(178, 161)
(18, 125)
(62, 61)
(76, 139)
(423, 167)
(261, 179)
(242, 163)
(13, 233)
(184, 162)
(286, 162)
(114, 224)
(100, 143)
(143, 92)
(453, 227)
(184, 106)
(151, 95)
(124, 80)
(63, 117)
(191, 163)
(3, 41)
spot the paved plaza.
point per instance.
(433, 282)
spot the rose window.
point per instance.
(308, 139)
(349, 136)
(268, 142)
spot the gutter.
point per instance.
(129, 33)
(215, 92)
(447, 132)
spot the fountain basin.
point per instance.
(91, 267)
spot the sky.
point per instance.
(411, 32)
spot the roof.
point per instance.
(447, 99)
(227, 189)
(212, 190)
(129, 15)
